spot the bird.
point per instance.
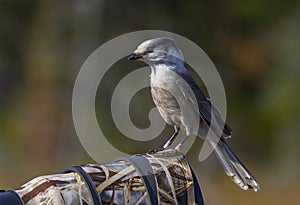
(183, 105)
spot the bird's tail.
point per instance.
(233, 167)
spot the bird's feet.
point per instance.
(178, 147)
(167, 144)
(153, 151)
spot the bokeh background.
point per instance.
(254, 45)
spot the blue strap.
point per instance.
(10, 197)
(143, 166)
(197, 190)
(88, 182)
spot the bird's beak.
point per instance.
(134, 56)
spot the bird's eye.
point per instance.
(148, 51)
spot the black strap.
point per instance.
(143, 166)
(87, 180)
(197, 190)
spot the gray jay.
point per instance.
(183, 105)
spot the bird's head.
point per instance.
(158, 50)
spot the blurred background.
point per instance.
(254, 45)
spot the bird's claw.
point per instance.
(167, 144)
(153, 151)
(178, 147)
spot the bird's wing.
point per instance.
(202, 105)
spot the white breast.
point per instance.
(162, 76)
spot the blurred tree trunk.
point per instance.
(39, 102)
(42, 120)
